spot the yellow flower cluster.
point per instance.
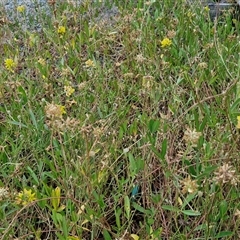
(69, 90)
(166, 42)
(42, 61)
(10, 64)
(21, 8)
(207, 9)
(25, 197)
(89, 63)
(61, 30)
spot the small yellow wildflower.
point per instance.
(61, 30)
(190, 15)
(9, 64)
(69, 90)
(238, 123)
(166, 42)
(207, 9)
(21, 8)
(42, 61)
(62, 109)
(134, 236)
(25, 197)
(89, 63)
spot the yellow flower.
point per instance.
(69, 90)
(62, 109)
(166, 42)
(21, 8)
(61, 30)
(89, 63)
(42, 61)
(207, 9)
(134, 236)
(25, 197)
(9, 64)
(190, 15)
(238, 123)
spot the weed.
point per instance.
(120, 127)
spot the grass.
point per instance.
(109, 132)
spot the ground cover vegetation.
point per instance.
(125, 127)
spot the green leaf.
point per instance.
(153, 125)
(237, 91)
(106, 235)
(161, 154)
(140, 163)
(59, 217)
(17, 123)
(60, 237)
(141, 209)
(118, 213)
(55, 217)
(99, 199)
(155, 234)
(138, 207)
(203, 124)
(170, 208)
(33, 119)
(42, 203)
(188, 199)
(223, 208)
(64, 227)
(127, 206)
(22, 91)
(224, 234)
(235, 105)
(201, 227)
(33, 175)
(207, 171)
(132, 164)
(164, 149)
(191, 213)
